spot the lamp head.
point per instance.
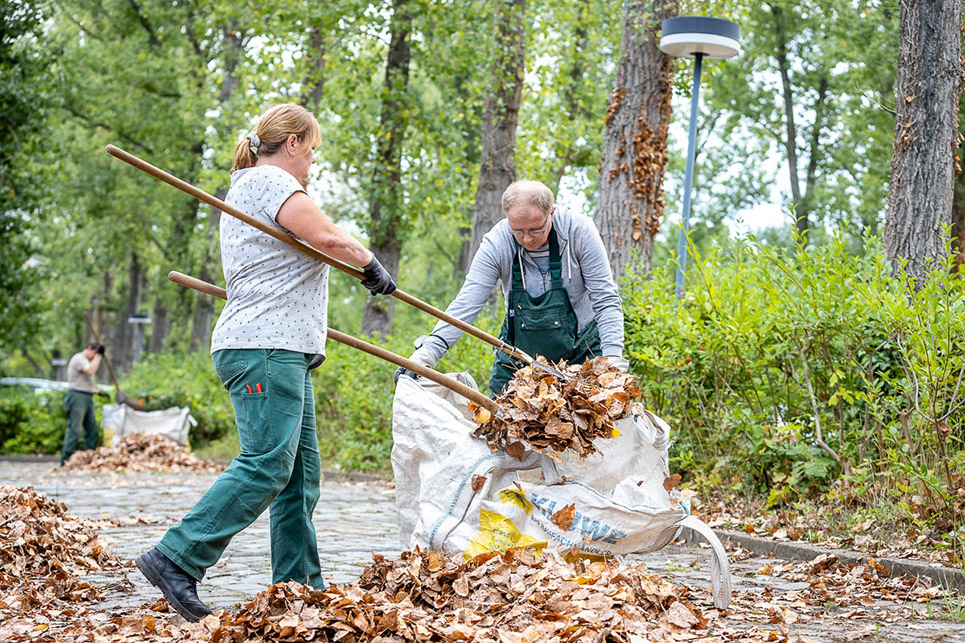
(688, 36)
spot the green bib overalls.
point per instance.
(544, 325)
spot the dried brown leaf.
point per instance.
(564, 517)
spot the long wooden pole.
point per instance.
(469, 393)
(284, 237)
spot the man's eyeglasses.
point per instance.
(537, 232)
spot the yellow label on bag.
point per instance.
(498, 533)
(516, 496)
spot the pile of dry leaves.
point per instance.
(43, 551)
(553, 415)
(506, 597)
(140, 452)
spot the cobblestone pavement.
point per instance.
(353, 521)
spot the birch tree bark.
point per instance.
(500, 117)
(631, 202)
(926, 131)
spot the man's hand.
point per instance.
(404, 372)
(101, 349)
(377, 278)
(103, 394)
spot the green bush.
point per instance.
(31, 420)
(783, 369)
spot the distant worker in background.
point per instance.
(80, 400)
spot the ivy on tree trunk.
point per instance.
(631, 202)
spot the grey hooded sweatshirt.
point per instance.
(586, 277)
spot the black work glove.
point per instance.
(377, 278)
(100, 349)
(104, 394)
(404, 372)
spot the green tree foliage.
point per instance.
(23, 113)
(573, 48)
(830, 65)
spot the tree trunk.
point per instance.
(790, 137)
(958, 204)
(926, 130)
(314, 84)
(501, 114)
(386, 203)
(210, 271)
(958, 221)
(814, 156)
(631, 200)
(179, 246)
(123, 346)
(160, 326)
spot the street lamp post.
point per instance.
(696, 37)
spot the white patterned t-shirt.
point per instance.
(277, 295)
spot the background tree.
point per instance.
(497, 168)
(565, 94)
(385, 214)
(631, 202)
(926, 134)
(814, 86)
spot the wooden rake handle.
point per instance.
(284, 237)
(470, 394)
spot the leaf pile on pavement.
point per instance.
(43, 551)
(140, 452)
(507, 597)
(552, 415)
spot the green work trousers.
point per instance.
(80, 414)
(278, 469)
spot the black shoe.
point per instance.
(179, 588)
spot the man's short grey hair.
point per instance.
(531, 193)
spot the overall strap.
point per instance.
(517, 279)
(556, 265)
(516, 284)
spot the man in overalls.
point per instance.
(561, 300)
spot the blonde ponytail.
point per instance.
(243, 157)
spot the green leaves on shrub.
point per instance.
(31, 420)
(782, 369)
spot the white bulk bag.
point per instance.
(172, 423)
(457, 497)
